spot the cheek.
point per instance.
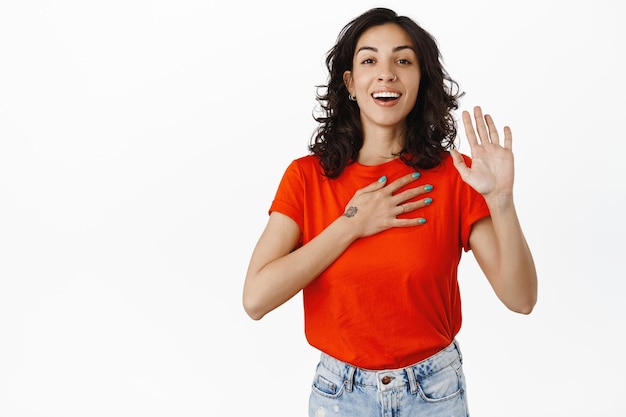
(359, 80)
(415, 91)
(411, 96)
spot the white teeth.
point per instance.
(385, 94)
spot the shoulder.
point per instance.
(308, 165)
(301, 171)
(307, 160)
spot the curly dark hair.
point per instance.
(431, 129)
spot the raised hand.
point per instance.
(492, 169)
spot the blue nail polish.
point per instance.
(416, 175)
(421, 221)
(428, 200)
(428, 187)
(382, 179)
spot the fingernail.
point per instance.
(428, 187)
(428, 200)
(382, 179)
(416, 175)
(421, 221)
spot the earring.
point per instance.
(351, 98)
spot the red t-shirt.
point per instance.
(392, 299)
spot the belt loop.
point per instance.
(410, 374)
(458, 349)
(349, 381)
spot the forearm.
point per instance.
(515, 279)
(269, 286)
(277, 272)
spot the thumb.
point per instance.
(376, 185)
(459, 163)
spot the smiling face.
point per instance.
(385, 76)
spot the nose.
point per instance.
(387, 76)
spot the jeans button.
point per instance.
(387, 379)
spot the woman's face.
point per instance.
(385, 76)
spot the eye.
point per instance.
(403, 61)
(367, 61)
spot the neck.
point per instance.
(380, 147)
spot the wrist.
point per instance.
(348, 226)
(499, 201)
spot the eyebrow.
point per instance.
(396, 49)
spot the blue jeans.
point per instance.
(433, 387)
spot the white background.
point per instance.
(141, 143)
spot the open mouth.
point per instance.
(386, 96)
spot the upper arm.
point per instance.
(280, 237)
(483, 243)
(507, 263)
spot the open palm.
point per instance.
(492, 168)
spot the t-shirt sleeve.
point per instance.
(473, 208)
(289, 198)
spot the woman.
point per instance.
(372, 224)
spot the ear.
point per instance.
(347, 80)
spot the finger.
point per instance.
(418, 221)
(469, 129)
(459, 163)
(411, 194)
(414, 205)
(480, 125)
(493, 131)
(508, 138)
(402, 181)
(376, 185)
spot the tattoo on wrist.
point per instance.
(351, 211)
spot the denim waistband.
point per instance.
(392, 378)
